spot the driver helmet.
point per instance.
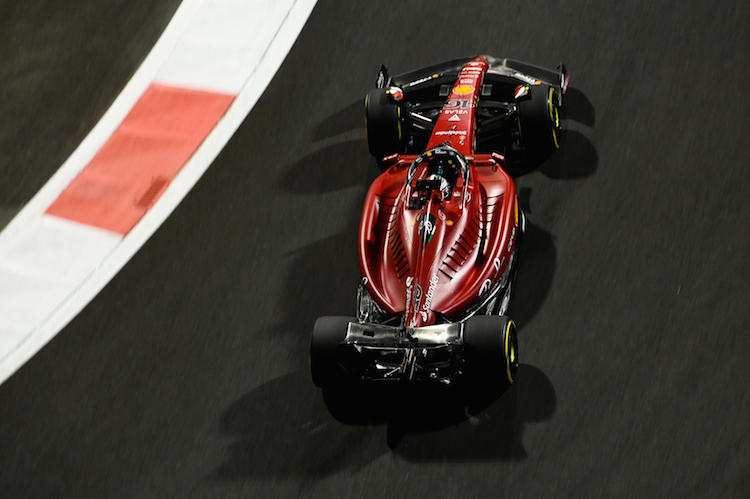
(445, 169)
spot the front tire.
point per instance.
(539, 124)
(384, 128)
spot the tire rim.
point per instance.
(511, 351)
(554, 117)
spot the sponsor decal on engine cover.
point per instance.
(428, 297)
(485, 286)
(498, 263)
(427, 228)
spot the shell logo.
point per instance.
(463, 90)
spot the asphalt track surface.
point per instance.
(187, 376)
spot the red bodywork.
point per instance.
(474, 230)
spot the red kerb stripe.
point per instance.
(136, 164)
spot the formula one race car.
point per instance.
(441, 226)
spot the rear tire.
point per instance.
(384, 131)
(327, 334)
(491, 347)
(539, 123)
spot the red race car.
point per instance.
(441, 226)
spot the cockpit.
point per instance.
(437, 170)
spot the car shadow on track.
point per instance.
(459, 423)
(349, 118)
(536, 268)
(288, 429)
(329, 169)
(488, 426)
(577, 157)
(282, 430)
(577, 107)
(322, 277)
